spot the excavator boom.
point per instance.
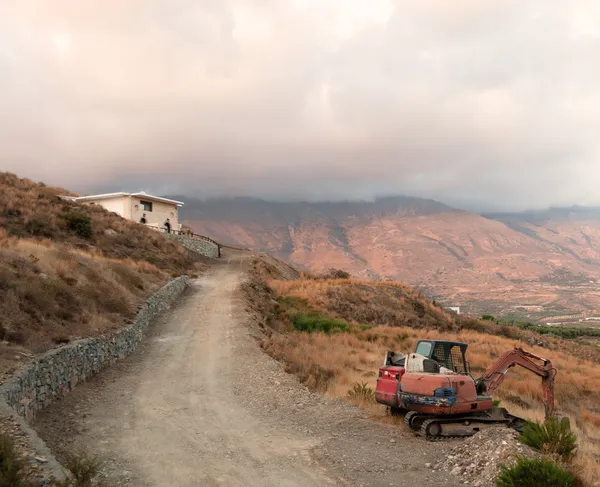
(494, 376)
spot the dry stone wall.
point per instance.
(202, 246)
(53, 374)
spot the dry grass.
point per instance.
(367, 303)
(334, 363)
(52, 294)
(57, 286)
(30, 210)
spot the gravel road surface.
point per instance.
(201, 405)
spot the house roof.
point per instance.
(140, 194)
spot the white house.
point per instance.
(139, 207)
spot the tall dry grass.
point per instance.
(51, 293)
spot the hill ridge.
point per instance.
(477, 261)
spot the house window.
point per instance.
(146, 205)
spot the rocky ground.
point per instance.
(476, 460)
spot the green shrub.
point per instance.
(360, 392)
(317, 322)
(488, 318)
(529, 472)
(79, 224)
(554, 437)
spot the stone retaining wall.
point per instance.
(205, 247)
(53, 374)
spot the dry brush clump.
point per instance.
(344, 361)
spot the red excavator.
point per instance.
(434, 387)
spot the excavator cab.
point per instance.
(434, 357)
(447, 354)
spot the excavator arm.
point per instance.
(494, 376)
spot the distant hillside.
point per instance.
(533, 264)
(69, 270)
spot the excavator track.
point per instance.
(408, 418)
(435, 428)
(414, 420)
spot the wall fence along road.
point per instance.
(197, 243)
(56, 372)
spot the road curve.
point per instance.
(201, 405)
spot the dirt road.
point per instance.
(201, 405)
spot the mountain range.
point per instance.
(541, 265)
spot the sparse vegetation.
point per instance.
(531, 472)
(381, 317)
(304, 318)
(334, 273)
(62, 277)
(361, 394)
(30, 210)
(392, 304)
(12, 472)
(553, 437)
(84, 469)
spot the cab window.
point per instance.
(424, 348)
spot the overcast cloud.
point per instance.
(479, 104)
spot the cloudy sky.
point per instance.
(484, 104)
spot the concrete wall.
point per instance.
(53, 374)
(116, 205)
(202, 246)
(160, 212)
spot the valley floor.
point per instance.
(201, 404)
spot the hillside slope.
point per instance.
(70, 271)
(503, 264)
(354, 323)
